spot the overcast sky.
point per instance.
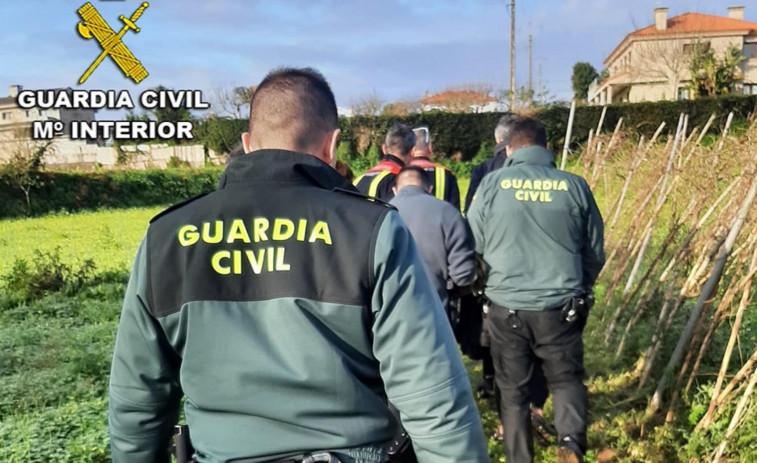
(395, 48)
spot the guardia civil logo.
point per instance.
(94, 26)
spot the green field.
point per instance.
(57, 325)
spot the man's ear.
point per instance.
(327, 150)
(246, 142)
(332, 147)
(508, 150)
(383, 148)
(395, 190)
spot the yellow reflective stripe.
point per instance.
(357, 180)
(373, 189)
(439, 185)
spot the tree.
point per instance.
(22, 170)
(369, 105)
(711, 76)
(583, 75)
(665, 61)
(170, 113)
(232, 102)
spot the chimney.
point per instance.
(15, 90)
(660, 19)
(736, 12)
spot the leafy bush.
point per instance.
(46, 274)
(73, 191)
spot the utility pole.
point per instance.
(538, 82)
(530, 68)
(512, 55)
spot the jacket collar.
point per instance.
(392, 158)
(411, 190)
(270, 165)
(532, 156)
(499, 149)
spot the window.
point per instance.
(6, 116)
(750, 50)
(27, 113)
(750, 89)
(683, 93)
(688, 48)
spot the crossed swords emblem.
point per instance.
(94, 26)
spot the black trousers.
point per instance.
(517, 342)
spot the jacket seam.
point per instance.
(428, 391)
(372, 253)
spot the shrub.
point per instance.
(46, 274)
(73, 191)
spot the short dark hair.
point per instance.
(400, 138)
(505, 124)
(527, 132)
(294, 107)
(413, 170)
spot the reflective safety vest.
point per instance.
(379, 172)
(440, 177)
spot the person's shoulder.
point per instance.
(178, 208)
(482, 168)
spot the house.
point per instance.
(16, 123)
(15, 120)
(462, 101)
(652, 64)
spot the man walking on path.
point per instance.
(540, 234)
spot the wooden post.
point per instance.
(709, 289)
(568, 135)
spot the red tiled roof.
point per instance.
(457, 97)
(690, 23)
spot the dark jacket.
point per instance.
(287, 313)
(378, 181)
(539, 231)
(480, 171)
(443, 238)
(443, 182)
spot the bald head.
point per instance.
(411, 176)
(292, 109)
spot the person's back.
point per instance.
(379, 181)
(278, 306)
(442, 235)
(541, 235)
(534, 253)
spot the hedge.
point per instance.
(460, 136)
(461, 139)
(73, 191)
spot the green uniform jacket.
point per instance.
(286, 313)
(539, 231)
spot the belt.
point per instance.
(323, 457)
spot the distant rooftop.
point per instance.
(470, 97)
(690, 23)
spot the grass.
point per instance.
(56, 356)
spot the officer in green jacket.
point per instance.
(287, 310)
(541, 235)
